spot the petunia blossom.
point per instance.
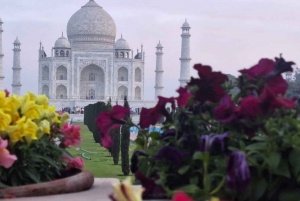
(213, 142)
(238, 173)
(77, 162)
(6, 159)
(183, 97)
(71, 135)
(109, 120)
(249, 107)
(152, 190)
(209, 86)
(181, 196)
(152, 115)
(171, 154)
(225, 112)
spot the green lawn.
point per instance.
(101, 164)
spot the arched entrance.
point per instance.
(92, 82)
(61, 92)
(137, 94)
(45, 90)
(122, 92)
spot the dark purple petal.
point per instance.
(238, 173)
(171, 154)
(213, 142)
(168, 133)
(225, 112)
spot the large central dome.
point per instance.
(91, 23)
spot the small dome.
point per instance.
(17, 41)
(185, 25)
(159, 45)
(62, 42)
(121, 44)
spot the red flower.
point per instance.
(71, 135)
(151, 188)
(181, 196)
(110, 120)
(152, 115)
(250, 107)
(6, 93)
(225, 112)
(269, 101)
(265, 68)
(183, 97)
(209, 84)
(73, 162)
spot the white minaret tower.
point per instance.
(185, 54)
(1, 57)
(159, 71)
(16, 83)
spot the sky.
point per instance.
(228, 35)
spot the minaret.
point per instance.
(16, 83)
(159, 71)
(185, 54)
(1, 57)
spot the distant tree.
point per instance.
(125, 142)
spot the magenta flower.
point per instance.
(238, 173)
(6, 93)
(171, 154)
(109, 120)
(212, 143)
(209, 85)
(225, 112)
(71, 135)
(77, 162)
(6, 159)
(152, 115)
(183, 97)
(250, 108)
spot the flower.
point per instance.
(225, 112)
(153, 115)
(6, 159)
(209, 143)
(183, 97)
(209, 84)
(109, 120)
(238, 173)
(171, 154)
(72, 162)
(71, 135)
(181, 196)
(126, 192)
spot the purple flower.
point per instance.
(208, 143)
(238, 173)
(168, 133)
(171, 154)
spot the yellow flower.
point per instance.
(64, 118)
(30, 109)
(214, 199)
(15, 132)
(126, 192)
(30, 130)
(5, 120)
(43, 128)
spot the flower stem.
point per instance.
(221, 184)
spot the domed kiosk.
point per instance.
(89, 65)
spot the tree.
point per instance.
(125, 142)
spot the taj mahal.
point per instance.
(89, 64)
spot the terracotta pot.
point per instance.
(78, 182)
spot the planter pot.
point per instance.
(80, 181)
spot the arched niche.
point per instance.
(122, 74)
(45, 90)
(138, 75)
(61, 92)
(122, 92)
(137, 93)
(45, 73)
(92, 82)
(61, 73)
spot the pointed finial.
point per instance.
(185, 20)
(121, 35)
(40, 45)
(62, 34)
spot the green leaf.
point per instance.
(33, 176)
(257, 146)
(289, 195)
(294, 159)
(183, 169)
(283, 169)
(140, 141)
(273, 160)
(190, 189)
(155, 135)
(259, 188)
(198, 156)
(194, 179)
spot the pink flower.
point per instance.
(6, 93)
(71, 135)
(6, 159)
(250, 107)
(181, 196)
(183, 97)
(109, 120)
(225, 112)
(77, 162)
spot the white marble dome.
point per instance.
(91, 23)
(62, 42)
(121, 44)
(186, 25)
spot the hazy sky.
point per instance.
(226, 34)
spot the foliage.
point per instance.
(115, 149)
(33, 140)
(125, 142)
(242, 147)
